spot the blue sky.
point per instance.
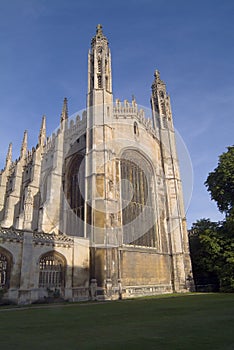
(43, 58)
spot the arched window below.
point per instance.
(52, 271)
(5, 264)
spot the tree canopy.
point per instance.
(220, 182)
(212, 243)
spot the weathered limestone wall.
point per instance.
(25, 248)
(141, 266)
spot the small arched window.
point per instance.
(99, 66)
(52, 270)
(99, 81)
(135, 128)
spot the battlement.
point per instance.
(50, 143)
(11, 234)
(29, 157)
(128, 110)
(125, 109)
(77, 125)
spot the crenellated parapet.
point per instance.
(77, 126)
(126, 110)
(40, 238)
(11, 234)
(52, 239)
(49, 144)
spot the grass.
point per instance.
(178, 322)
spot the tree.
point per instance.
(212, 244)
(220, 183)
(205, 251)
(212, 254)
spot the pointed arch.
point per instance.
(138, 205)
(52, 267)
(6, 261)
(74, 189)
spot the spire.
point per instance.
(160, 100)
(9, 156)
(99, 69)
(24, 145)
(42, 134)
(64, 114)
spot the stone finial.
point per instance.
(9, 156)
(157, 74)
(42, 134)
(64, 114)
(157, 81)
(23, 151)
(99, 37)
(99, 29)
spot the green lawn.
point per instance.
(178, 322)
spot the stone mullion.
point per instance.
(137, 186)
(133, 183)
(130, 179)
(132, 218)
(141, 187)
(145, 186)
(144, 236)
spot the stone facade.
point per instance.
(96, 210)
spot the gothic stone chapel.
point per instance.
(95, 211)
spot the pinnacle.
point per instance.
(24, 144)
(42, 134)
(64, 114)
(9, 155)
(157, 74)
(99, 29)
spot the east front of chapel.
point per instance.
(96, 211)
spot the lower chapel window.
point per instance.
(75, 188)
(52, 270)
(4, 266)
(137, 206)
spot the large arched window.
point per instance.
(75, 192)
(138, 213)
(52, 270)
(5, 266)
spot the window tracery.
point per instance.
(138, 214)
(75, 188)
(99, 81)
(52, 271)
